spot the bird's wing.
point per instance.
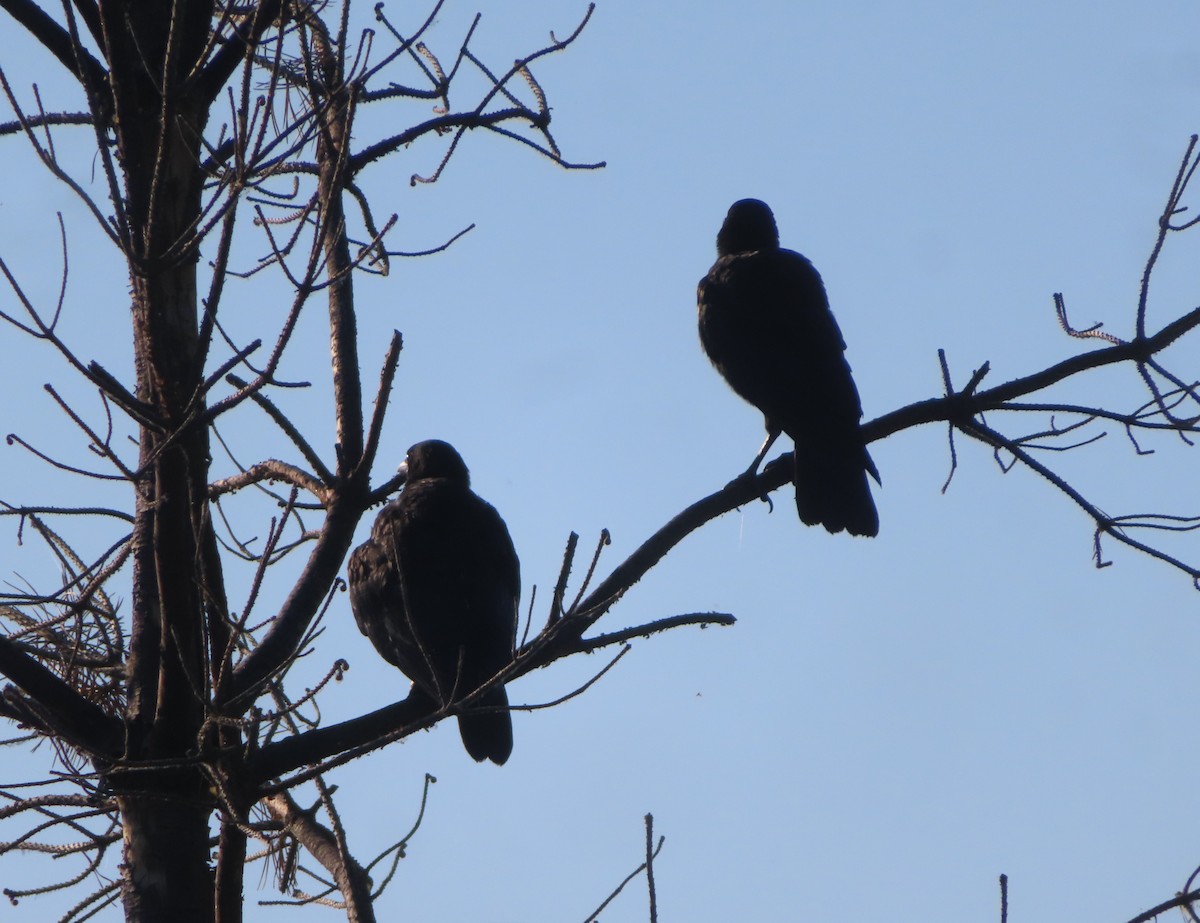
(819, 370)
(453, 588)
(374, 594)
(765, 323)
(500, 573)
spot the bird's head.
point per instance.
(434, 458)
(748, 226)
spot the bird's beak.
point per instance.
(403, 471)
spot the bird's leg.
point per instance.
(772, 435)
(752, 471)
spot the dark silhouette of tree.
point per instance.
(212, 125)
(204, 117)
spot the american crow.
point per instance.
(436, 588)
(766, 325)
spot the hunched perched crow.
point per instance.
(435, 588)
(766, 325)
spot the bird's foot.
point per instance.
(749, 475)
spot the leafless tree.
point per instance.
(202, 114)
(209, 121)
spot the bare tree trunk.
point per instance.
(166, 869)
(230, 874)
(165, 802)
(166, 811)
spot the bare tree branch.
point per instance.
(328, 848)
(59, 707)
(56, 40)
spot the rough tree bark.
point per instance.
(158, 120)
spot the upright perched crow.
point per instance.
(436, 587)
(766, 325)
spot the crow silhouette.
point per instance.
(766, 325)
(435, 589)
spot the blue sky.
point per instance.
(892, 723)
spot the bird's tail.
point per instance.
(832, 491)
(487, 733)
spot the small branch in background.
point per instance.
(646, 866)
(1092, 332)
(560, 586)
(387, 375)
(579, 690)
(651, 852)
(1183, 177)
(396, 850)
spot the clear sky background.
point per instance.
(892, 723)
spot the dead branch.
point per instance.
(646, 866)
(328, 848)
